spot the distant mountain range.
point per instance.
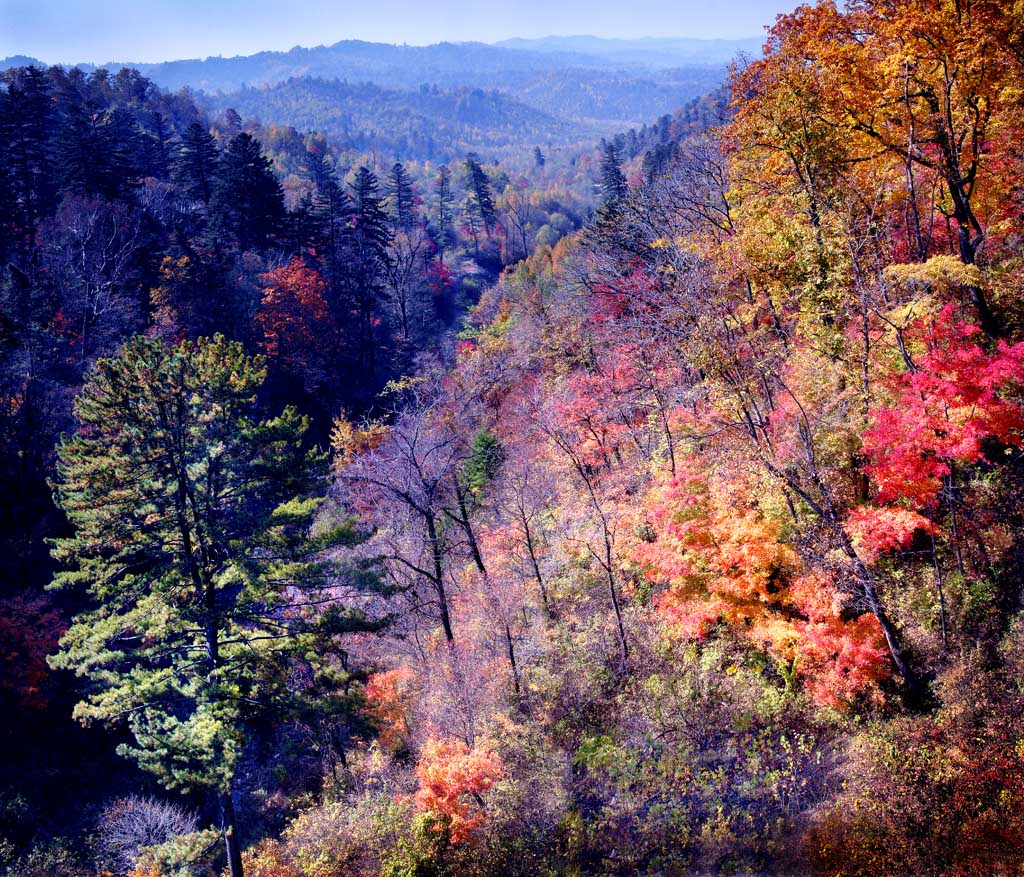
(428, 123)
(505, 64)
(452, 95)
(654, 52)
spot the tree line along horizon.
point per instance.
(387, 533)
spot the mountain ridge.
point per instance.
(686, 49)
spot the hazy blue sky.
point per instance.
(154, 30)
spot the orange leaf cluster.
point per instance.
(294, 315)
(875, 531)
(386, 704)
(722, 562)
(449, 773)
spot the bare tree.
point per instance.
(90, 254)
(128, 825)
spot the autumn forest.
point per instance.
(554, 457)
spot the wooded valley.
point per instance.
(418, 474)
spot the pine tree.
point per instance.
(369, 259)
(332, 218)
(444, 234)
(156, 147)
(197, 163)
(247, 204)
(98, 152)
(538, 157)
(76, 147)
(192, 542)
(481, 198)
(613, 182)
(401, 197)
(26, 111)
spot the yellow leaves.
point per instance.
(939, 272)
(349, 440)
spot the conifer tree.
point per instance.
(332, 218)
(613, 182)
(197, 162)
(481, 198)
(26, 112)
(247, 204)
(193, 543)
(401, 196)
(368, 261)
(444, 234)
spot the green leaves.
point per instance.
(195, 541)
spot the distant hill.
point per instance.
(585, 77)
(20, 61)
(655, 52)
(428, 123)
(617, 96)
(439, 100)
(447, 65)
(508, 64)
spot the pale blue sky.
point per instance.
(67, 31)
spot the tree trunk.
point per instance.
(536, 569)
(892, 638)
(231, 842)
(435, 550)
(467, 528)
(510, 646)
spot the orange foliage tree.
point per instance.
(721, 561)
(452, 780)
(296, 321)
(385, 695)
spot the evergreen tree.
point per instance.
(192, 541)
(77, 148)
(197, 163)
(369, 260)
(123, 146)
(301, 227)
(444, 234)
(232, 122)
(401, 196)
(538, 157)
(156, 146)
(370, 218)
(332, 219)
(26, 112)
(613, 182)
(98, 152)
(481, 198)
(247, 204)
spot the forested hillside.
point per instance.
(426, 124)
(507, 66)
(473, 95)
(384, 532)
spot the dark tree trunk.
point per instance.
(442, 597)
(232, 844)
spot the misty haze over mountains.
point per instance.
(552, 90)
(440, 63)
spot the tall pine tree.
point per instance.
(247, 205)
(193, 543)
(613, 181)
(400, 196)
(444, 232)
(481, 198)
(197, 163)
(369, 259)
